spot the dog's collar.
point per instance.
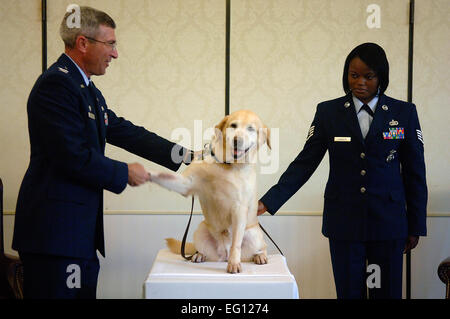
(209, 147)
(215, 157)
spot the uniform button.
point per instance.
(363, 155)
(363, 172)
(363, 190)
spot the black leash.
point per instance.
(183, 242)
(262, 228)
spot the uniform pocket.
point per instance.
(67, 192)
(396, 196)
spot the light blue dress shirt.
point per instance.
(86, 79)
(364, 118)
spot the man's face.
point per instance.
(362, 80)
(98, 54)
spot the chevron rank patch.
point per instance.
(420, 136)
(310, 132)
(63, 70)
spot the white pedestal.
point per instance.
(172, 277)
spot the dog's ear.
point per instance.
(222, 123)
(264, 136)
(218, 133)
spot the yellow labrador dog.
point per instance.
(225, 182)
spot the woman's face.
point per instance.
(362, 80)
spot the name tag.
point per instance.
(91, 115)
(342, 139)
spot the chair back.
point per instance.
(11, 268)
(444, 275)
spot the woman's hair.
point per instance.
(375, 58)
(90, 20)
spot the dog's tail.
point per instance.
(175, 246)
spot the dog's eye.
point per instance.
(233, 125)
(250, 129)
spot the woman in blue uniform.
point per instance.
(376, 194)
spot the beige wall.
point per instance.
(286, 56)
(20, 65)
(168, 74)
(432, 95)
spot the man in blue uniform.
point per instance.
(59, 215)
(376, 194)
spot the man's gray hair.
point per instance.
(90, 20)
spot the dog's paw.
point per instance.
(234, 268)
(260, 259)
(198, 258)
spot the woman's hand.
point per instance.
(261, 208)
(411, 243)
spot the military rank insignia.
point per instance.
(395, 133)
(310, 132)
(419, 135)
(106, 119)
(63, 70)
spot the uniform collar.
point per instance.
(85, 78)
(358, 104)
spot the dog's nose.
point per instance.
(237, 142)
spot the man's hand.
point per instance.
(411, 243)
(261, 208)
(137, 175)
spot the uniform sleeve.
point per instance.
(301, 169)
(55, 115)
(413, 172)
(137, 140)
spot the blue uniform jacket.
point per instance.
(60, 204)
(376, 188)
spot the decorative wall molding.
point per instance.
(147, 212)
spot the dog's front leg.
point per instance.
(173, 181)
(238, 230)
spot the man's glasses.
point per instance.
(111, 44)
